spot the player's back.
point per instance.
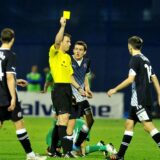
(7, 64)
(143, 79)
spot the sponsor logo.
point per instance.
(40, 109)
(19, 114)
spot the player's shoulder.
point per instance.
(7, 53)
(144, 58)
(86, 59)
(136, 58)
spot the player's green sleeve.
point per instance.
(49, 78)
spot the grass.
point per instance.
(141, 148)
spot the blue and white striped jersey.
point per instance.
(81, 68)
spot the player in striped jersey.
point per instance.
(81, 67)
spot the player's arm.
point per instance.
(122, 85)
(60, 34)
(49, 82)
(156, 86)
(46, 85)
(134, 65)
(22, 82)
(11, 86)
(89, 93)
(77, 86)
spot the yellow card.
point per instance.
(66, 14)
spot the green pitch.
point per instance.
(141, 148)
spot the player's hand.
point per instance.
(63, 22)
(89, 94)
(43, 91)
(12, 105)
(82, 92)
(74, 100)
(110, 92)
(22, 82)
(112, 157)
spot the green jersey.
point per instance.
(49, 79)
(76, 131)
(34, 80)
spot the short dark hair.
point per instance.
(6, 35)
(136, 42)
(82, 44)
(67, 35)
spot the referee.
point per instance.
(61, 70)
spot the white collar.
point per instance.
(78, 61)
(4, 48)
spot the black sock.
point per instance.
(65, 141)
(55, 139)
(156, 136)
(82, 135)
(24, 140)
(125, 142)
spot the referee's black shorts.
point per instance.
(62, 98)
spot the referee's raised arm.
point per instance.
(60, 34)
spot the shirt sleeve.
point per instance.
(49, 78)
(70, 66)
(11, 64)
(133, 66)
(152, 71)
(52, 51)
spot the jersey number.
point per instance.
(149, 71)
(1, 73)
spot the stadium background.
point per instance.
(104, 25)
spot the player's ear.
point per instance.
(85, 52)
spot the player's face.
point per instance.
(79, 52)
(66, 43)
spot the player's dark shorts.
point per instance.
(14, 115)
(140, 114)
(81, 109)
(62, 98)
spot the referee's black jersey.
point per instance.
(141, 67)
(7, 65)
